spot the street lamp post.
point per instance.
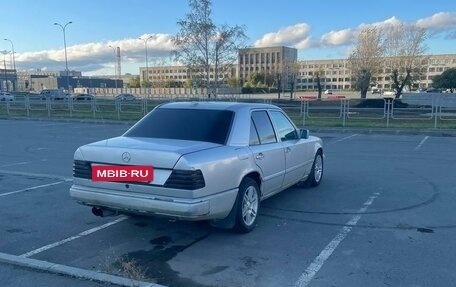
(4, 52)
(12, 51)
(115, 64)
(147, 61)
(66, 58)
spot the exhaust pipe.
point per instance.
(103, 212)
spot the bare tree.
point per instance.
(317, 79)
(404, 48)
(365, 61)
(292, 72)
(227, 43)
(278, 78)
(200, 44)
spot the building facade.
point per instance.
(282, 61)
(8, 80)
(279, 61)
(176, 76)
(336, 75)
(40, 80)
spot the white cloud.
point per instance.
(97, 56)
(295, 35)
(338, 38)
(439, 21)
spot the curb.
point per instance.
(391, 131)
(69, 120)
(72, 271)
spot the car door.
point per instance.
(267, 151)
(297, 152)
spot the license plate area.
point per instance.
(122, 173)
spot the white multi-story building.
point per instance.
(334, 73)
(178, 75)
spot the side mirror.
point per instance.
(304, 133)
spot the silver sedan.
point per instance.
(198, 161)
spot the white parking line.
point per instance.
(32, 174)
(82, 234)
(16, 163)
(421, 143)
(345, 138)
(318, 262)
(32, 188)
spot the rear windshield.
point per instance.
(185, 124)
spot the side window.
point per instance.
(254, 139)
(264, 127)
(285, 129)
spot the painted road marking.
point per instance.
(32, 188)
(72, 271)
(17, 163)
(32, 174)
(318, 262)
(82, 234)
(342, 139)
(421, 143)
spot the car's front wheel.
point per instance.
(316, 174)
(247, 205)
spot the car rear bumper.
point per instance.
(215, 206)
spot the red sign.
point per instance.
(127, 173)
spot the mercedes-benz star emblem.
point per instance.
(126, 157)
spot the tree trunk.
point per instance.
(319, 87)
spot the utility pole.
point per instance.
(66, 58)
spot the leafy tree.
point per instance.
(234, 82)
(188, 84)
(201, 44)
(446, 80)
(134, 82)
(366, 58)
(146, 84)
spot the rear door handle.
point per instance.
(287, 149)
(259, 156)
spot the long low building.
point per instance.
(334, 73)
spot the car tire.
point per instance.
(247, 205)
(316, 174)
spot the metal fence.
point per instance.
(410, 111)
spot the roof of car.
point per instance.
(216, 105)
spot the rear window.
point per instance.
(185, 124)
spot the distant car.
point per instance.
(433, 90)
(53, 94)
(376, 91)
(206, 161)
(125, 97)
(5, 96)
(328, 92)
(83, 97)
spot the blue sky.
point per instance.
(319, 29)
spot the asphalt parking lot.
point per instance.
(384, 215)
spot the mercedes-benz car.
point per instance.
(204, 161)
